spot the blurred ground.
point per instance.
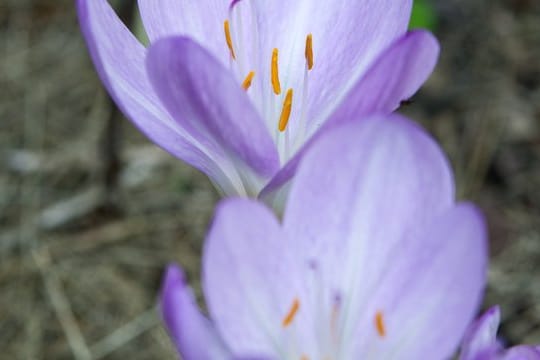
(85, 231)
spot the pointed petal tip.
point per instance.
(428, 43)
(494, 311)
(174, 275)
(191, 332)
(174, 280)
(396, 75)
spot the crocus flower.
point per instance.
(238, 89)
(373, 259)
(481, 342)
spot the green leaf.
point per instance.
(423, 16)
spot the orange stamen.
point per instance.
(304, 357)
(288, 319)
(286, 111)
(379, 324)
(275, 72)
(247, 81)
(228, 38)
(309, 51)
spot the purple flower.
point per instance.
(240, 89)
(373, 259)
(481, 342)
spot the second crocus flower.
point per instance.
(373, 259)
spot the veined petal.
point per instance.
(396, 76)
(249, 278)
(201, 20)
(348, 36)
(119, 60)
(193, 335)
(206, 99)
(382, 169)
(430, 290)
(356, 194)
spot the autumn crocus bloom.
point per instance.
(373, 259)
(237, 89)
(481, 342)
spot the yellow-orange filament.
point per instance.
(286, 111)
(275, 72)
(309, 51)
(228, 38)
(379, 324)
(288, 319)
(247, 81)
(304, 357)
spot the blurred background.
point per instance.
(90, 211)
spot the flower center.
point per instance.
(328, 326)
(278, 109)
(329, 341)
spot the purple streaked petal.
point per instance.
(193, 335)
(430, 291)
(373, 181)
(207, 100)
(119, 60)
(367, 202)
(249, 278)
(382, 169)
(481, 337)
(396, 76)
(348, 36)
(359, 191)
(200, 20)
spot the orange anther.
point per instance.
(247, 81)
(286, 111)
(288, 319)
(228, 38)
(379, 324)
(275, 72)
(309, 51)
